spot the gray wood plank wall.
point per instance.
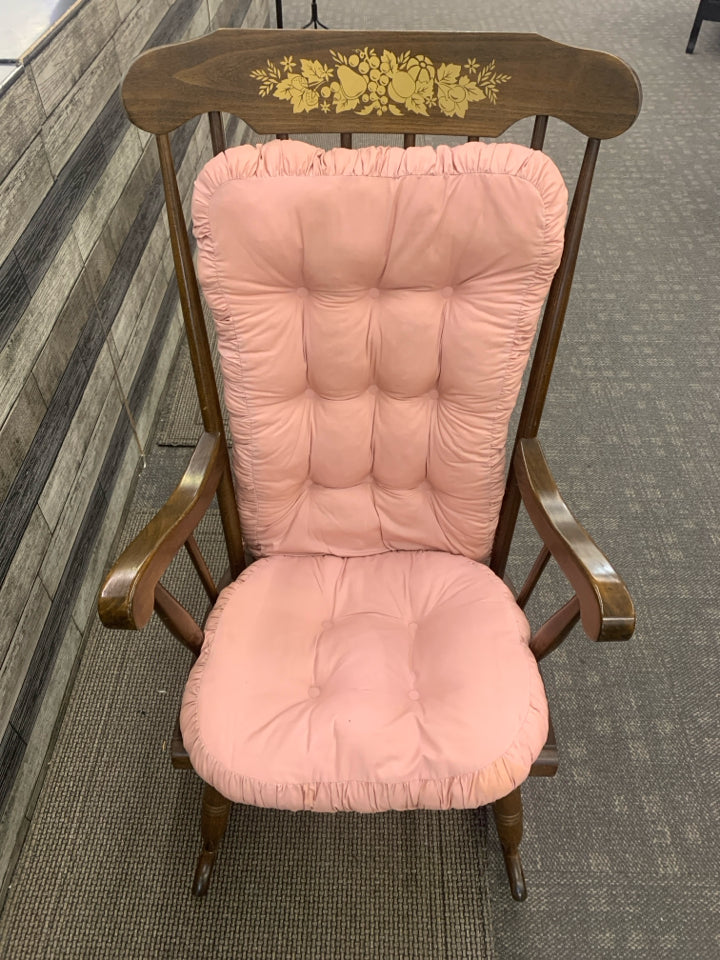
(89, 324)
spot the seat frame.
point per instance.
(594, 92)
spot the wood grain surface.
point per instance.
(595, 92)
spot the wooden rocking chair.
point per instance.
(375, 310)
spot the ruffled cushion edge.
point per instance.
(295, 158)
(463, 791)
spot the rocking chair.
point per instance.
(375, 310)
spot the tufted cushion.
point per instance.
(398, 681)
(374, 310)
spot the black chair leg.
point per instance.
(695, 30)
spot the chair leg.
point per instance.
(214, 819)
(509, 819)
(695, 30)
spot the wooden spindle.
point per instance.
(200, 351)
(552, 633)
(545, 351)
(533, 577)
(538, 135)
(217, 132)
(177, 619)
(202, 569)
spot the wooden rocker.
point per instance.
(375, 310)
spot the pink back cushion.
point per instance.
(374, 311)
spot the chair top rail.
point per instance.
(476, 84)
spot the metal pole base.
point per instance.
(314, 22)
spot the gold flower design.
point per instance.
(296, 89)
(456, 92)
(299, 88)
(370, 83)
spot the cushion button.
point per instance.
(374, 293)
(302, 291)
(447, 292)
(413, 695)
(314, 693)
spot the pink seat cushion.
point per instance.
(374, 311)
(396, 681)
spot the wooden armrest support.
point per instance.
(606, 610)
(128, 594)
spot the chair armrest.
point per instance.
(128, 594)
(606, 610)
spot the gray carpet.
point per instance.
(621, 849)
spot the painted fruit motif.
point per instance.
(352, 83)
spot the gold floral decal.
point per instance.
(367, 83)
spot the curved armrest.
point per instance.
(606, 610)
(128, 593)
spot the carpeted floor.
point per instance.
(621, 849)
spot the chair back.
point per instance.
(374, 324)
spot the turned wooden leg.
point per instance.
(215, 813)
(509, 819)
